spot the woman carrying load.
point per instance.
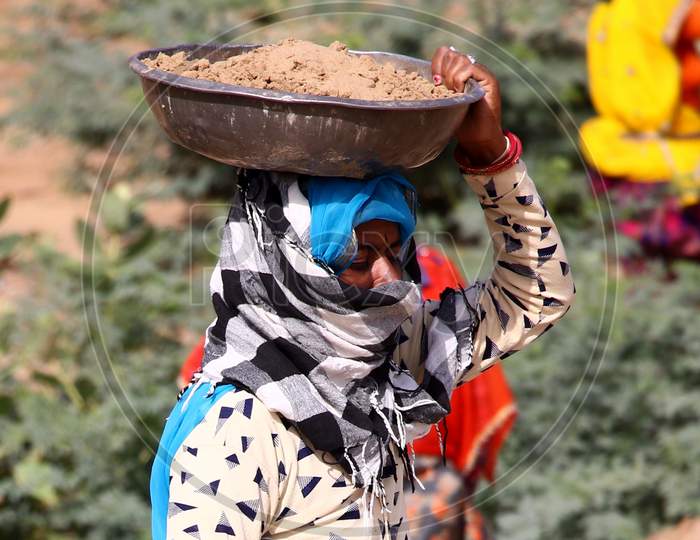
(323, 363)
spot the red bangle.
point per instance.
(510, 159)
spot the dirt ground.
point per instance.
(33, 174)
(40, 202)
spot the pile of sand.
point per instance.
(306, 68)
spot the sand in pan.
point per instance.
(307, 68)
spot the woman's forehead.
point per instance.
(378, 232)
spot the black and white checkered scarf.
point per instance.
(315, 350)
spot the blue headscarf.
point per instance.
(338, 205)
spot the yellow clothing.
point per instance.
(643, 133)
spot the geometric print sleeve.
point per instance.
(529, 289)
(531, 285)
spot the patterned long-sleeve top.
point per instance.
(243, 472)
(530, 286)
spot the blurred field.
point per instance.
(606, 446)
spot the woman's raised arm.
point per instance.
(531, 285)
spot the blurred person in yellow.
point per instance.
(644, 76)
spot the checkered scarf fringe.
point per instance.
(317, 351)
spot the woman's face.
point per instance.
(377, 262)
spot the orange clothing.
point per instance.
(192, 363)
(689, 56)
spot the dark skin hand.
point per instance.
(481, 137)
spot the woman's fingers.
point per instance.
(457, 64)
(482, 75)
(453, 69)
(460, 78)
(472, 71)
(437, 63)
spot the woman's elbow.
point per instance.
(558, 303)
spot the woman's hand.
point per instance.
(480, 135)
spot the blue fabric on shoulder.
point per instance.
(339, 204)
(182, 420)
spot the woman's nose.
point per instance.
(384, 270)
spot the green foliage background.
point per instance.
(602, 450)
